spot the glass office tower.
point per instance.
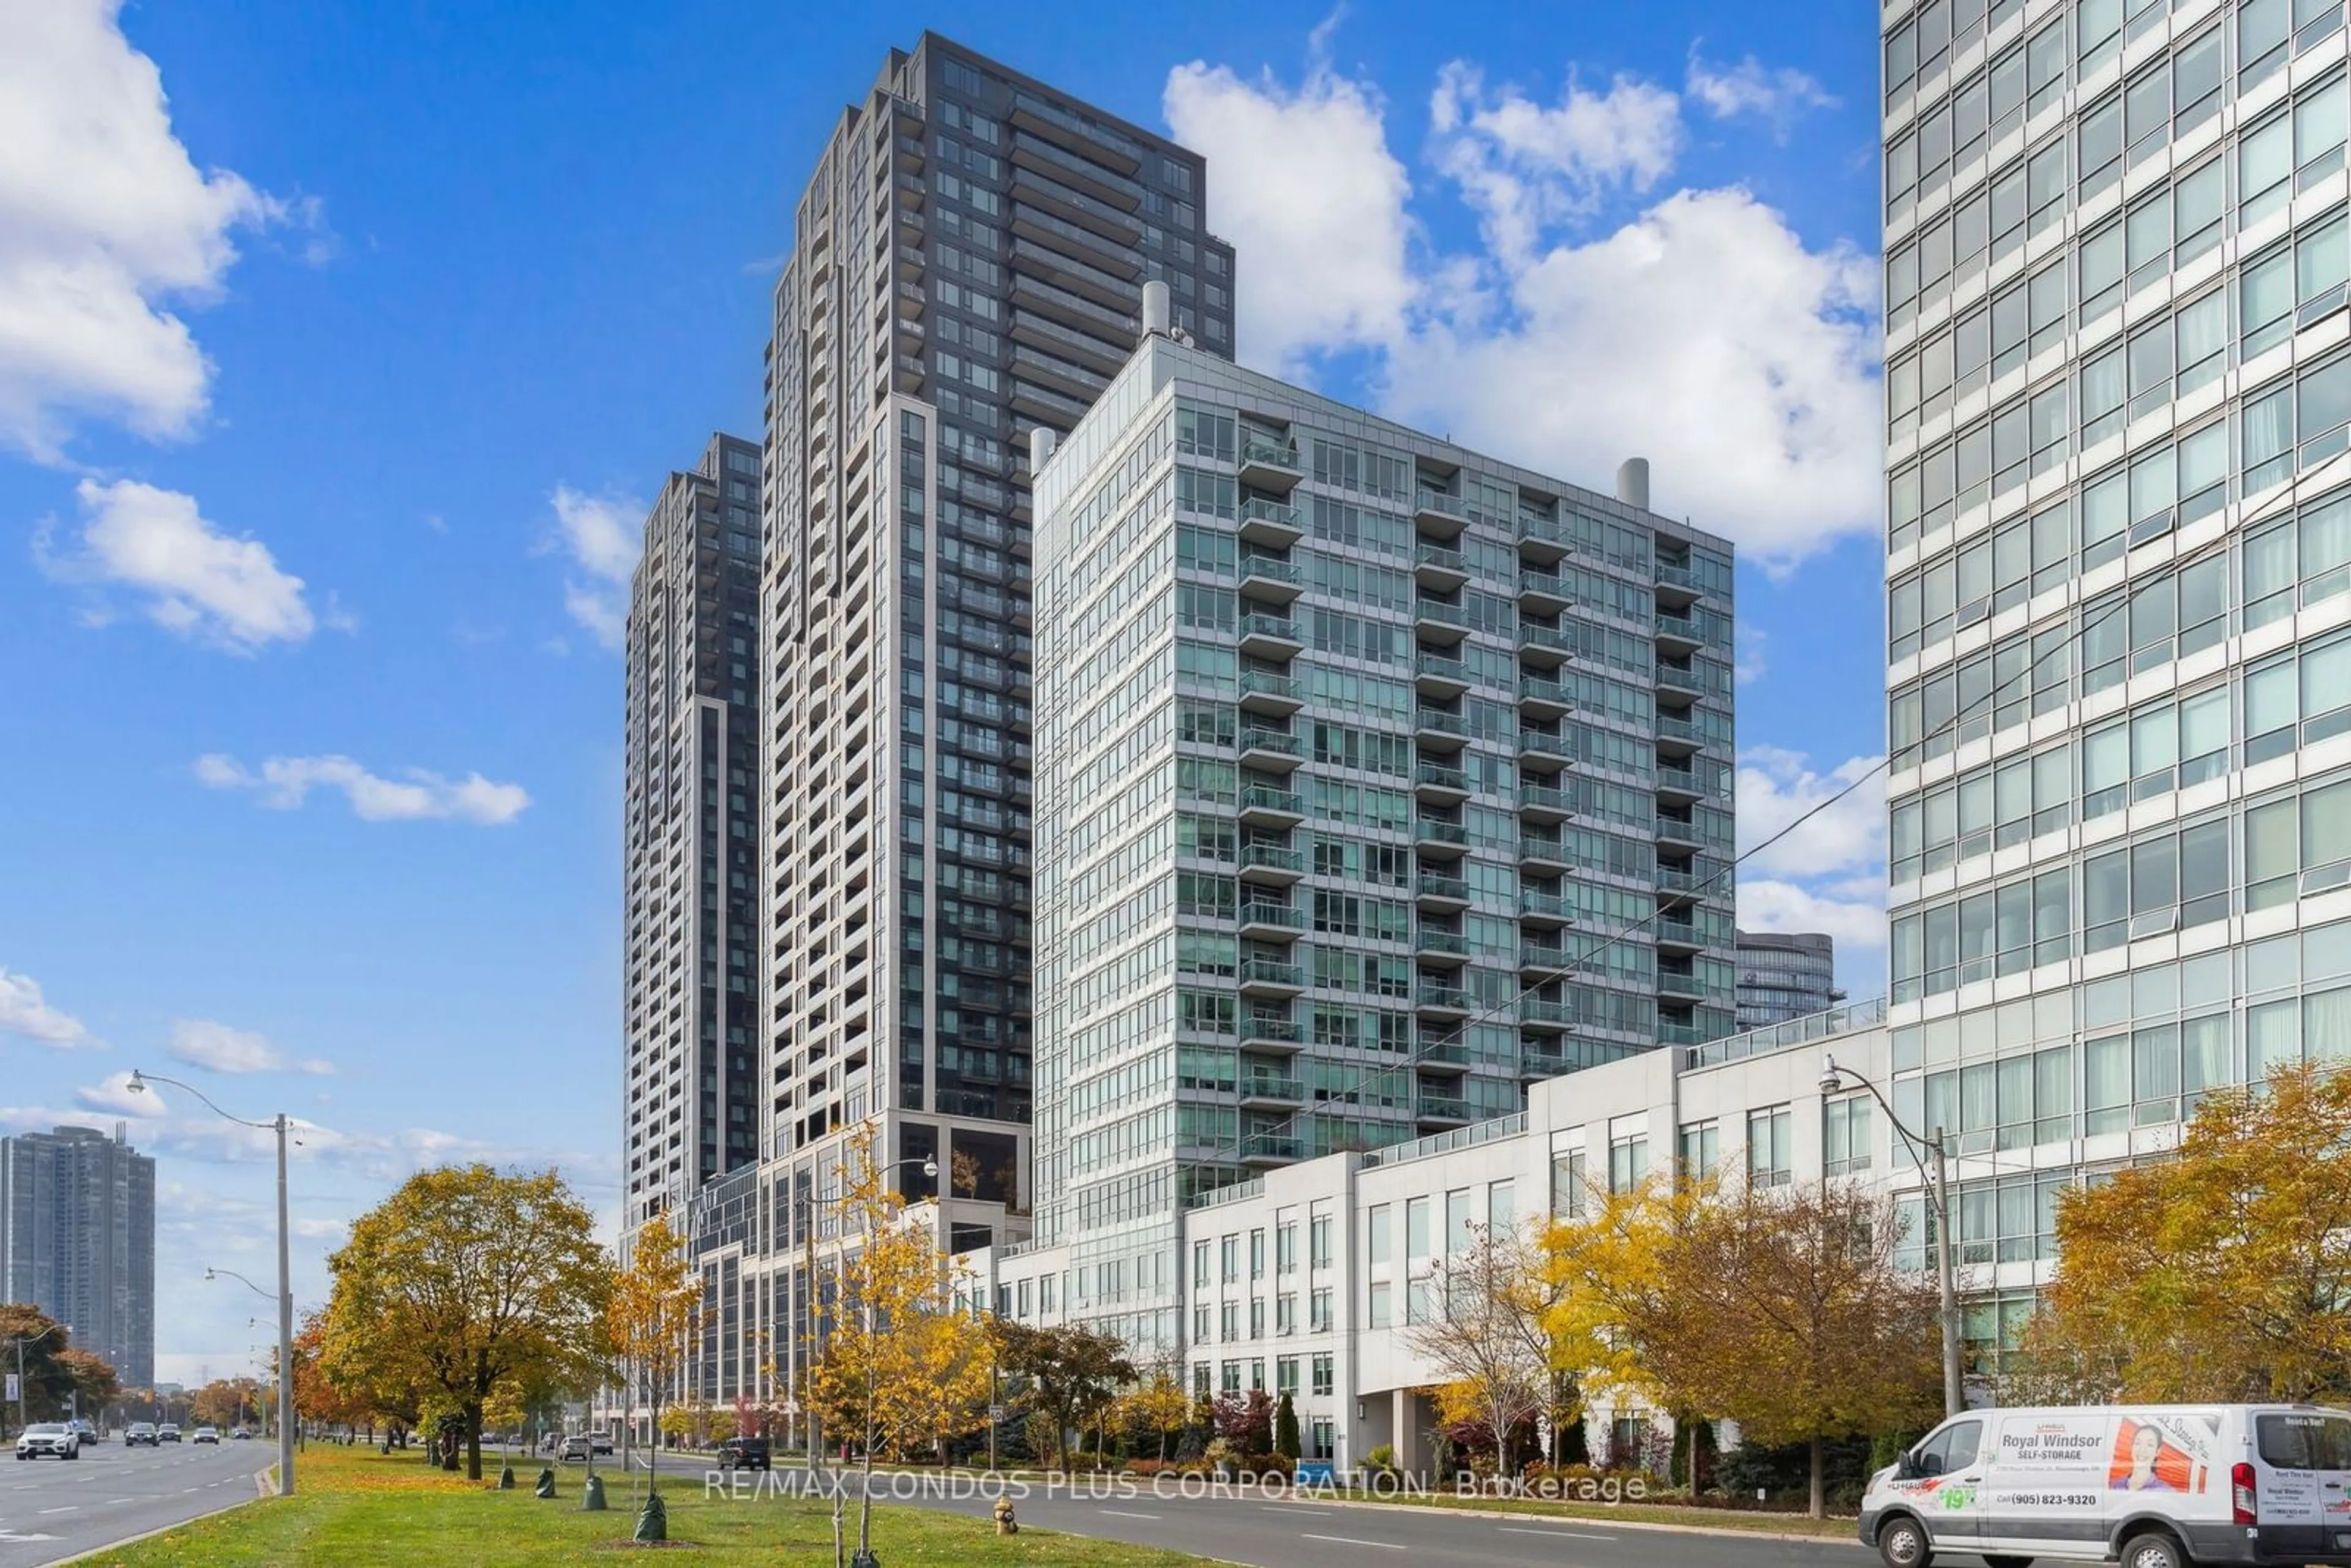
(1357, 752)
(2119, 578)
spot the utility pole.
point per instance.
(1955, 1391)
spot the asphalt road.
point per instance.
(1268, 1534)
(50, 1509)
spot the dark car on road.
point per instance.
(742, 1454)
(168, 1432)
(139, 1432)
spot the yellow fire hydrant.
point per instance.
(1006, 1524)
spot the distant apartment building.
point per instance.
(1377, 780)
(77, 1240)
(1785, 975)
(693, 1092)
(968, 260)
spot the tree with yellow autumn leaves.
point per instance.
(2221, 1272)
(655, 1313)
(1782, 1309)
(467, 1285)
(900, 1365)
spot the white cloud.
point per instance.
(1304, 184)
(1779, 96)
(1705, 336)
(1777, 788)
(1524, 167)
(602, 536)
(1751, 660)
(1829, 873)
(285, 783)
(1859, 924)
(104, 218)
(221, 1048)
(1700, 330)
(196, 580)
(25, 1011)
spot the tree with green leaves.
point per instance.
(1066, 1374)
(49, 1380)
(1285, 1428)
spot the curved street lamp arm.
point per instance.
(232, 1274)
(139, 1079)
(1919, 1146)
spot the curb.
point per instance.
(1609, 1520)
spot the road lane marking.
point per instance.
(1350, 1541)
(1119, 1513)
(70, 1507)
(1571, 1534)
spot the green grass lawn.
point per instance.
(354, 1509)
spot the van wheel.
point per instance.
(2153, 1550)
(1902, 1543)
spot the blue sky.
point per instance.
(311, 314)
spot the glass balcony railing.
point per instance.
(1259, 682)
(1260, 451)
(1259, 913)
(1280, 628)
(1266, 798)
(1280, 514)
(1271, 567)
(1273, 857)
(1273, 972)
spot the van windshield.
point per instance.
(2304, 1442)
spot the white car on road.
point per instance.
(54, 1438)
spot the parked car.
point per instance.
(139, 1432)
(168, 1432)
(603, 1441)
(576, 1447)
(2152, 1486)
(208, 1435)
(54, 1440)
(743, 1454)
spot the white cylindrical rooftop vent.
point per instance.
(1041, 449)
(1157, 317)
(1633, 481)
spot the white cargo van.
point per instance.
(2155, 1486)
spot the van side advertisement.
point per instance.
(2068, 1466)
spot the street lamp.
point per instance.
(1832, 1081)
(210, 1274)
(808, 1413)
(22, 1346)
(281, 1127)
